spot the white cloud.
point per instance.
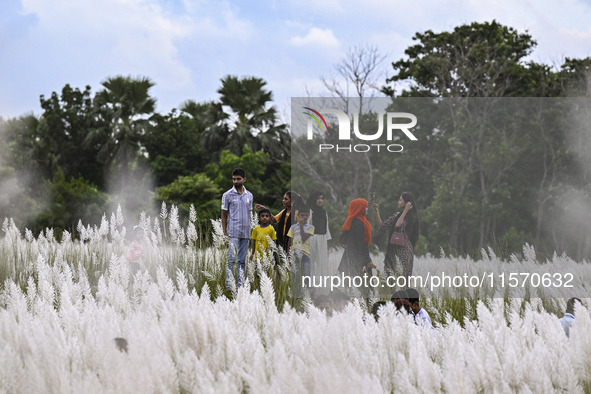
(136, 28)
(186, 46)
(180, 46)
(317, 37)
(84, 42)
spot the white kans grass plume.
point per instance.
(219, 239)
(62, 304)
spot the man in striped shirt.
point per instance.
(236, 207)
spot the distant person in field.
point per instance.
(406, 222)
(261, 234)
(375, 309)
(135, 253)
(422, 318)
(400, 300)
(299, 242)
(236, 207)
(569, 317)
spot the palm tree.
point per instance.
(250, 119)
(209, 119)
(122, 113)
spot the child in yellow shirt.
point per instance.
(259, 244)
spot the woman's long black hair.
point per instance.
(319, 218)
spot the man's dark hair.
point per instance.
(264, 210)
(570, 305)
(399, 295)
(239, 172)
(413, 295)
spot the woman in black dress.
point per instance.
(356, 237)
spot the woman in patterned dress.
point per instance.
(405, 221)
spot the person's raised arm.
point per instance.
(400, 220)
(376, 208)
(305, 235)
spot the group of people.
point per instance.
(402, 230)
(407, 303)
(301, 229)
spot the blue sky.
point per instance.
(186, 47)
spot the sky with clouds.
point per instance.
(187, 46)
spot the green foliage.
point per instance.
(476, 60)
(254, 163)
(213, 138)
(73, 199)
(204, 189)
(122, 110)
(208, 118)
(60, 138)
(250, 119)
(487, 178)
(21, 196)
(197, 189)
(513, 240)
(175, 147)
(574, 76)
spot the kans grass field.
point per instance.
(72, 321)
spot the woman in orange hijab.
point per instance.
(356, 237)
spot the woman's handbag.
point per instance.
(398, 239)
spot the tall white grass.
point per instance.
(62, 305)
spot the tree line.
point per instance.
(476, 186)
(86, 152)
(502, 157)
